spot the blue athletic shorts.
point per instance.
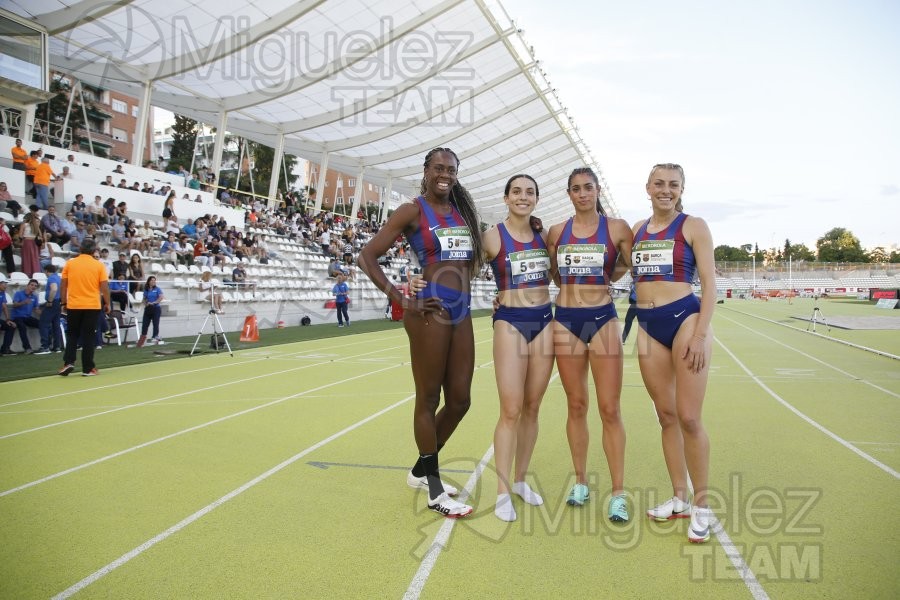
(663, 322)
(585, 322)
(529, 321)
(455, 302)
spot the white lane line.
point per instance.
(170, 374)
(100, 573)
(821, 428)
(440, 539)
(877, 443)
(185, 393)
(813, 358)
(102, 459)
(824, 337)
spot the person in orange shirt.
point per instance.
(84, 282)
(19, 155)
(31, 164)
(43, 173)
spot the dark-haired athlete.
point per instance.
(585, 250)
(442, 227)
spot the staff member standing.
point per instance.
(19, 155)
(84, 281)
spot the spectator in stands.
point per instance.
(51, 335)
(31, 165)
(43, 175)
(122, 212)
(123, 184)
(84, 292)
(201, 254)
(118, 236)
(24, 305)
(169, 206)
(66, 173)
(190, 230)
(341, 293)
(98, 214)
(70, 158)
(120, 267)
(6, 199)
(438, 323)
(6, 246)
(146, 238)
(53, 226)
(80, 209)
(168, 249)
(7, 325)
(202, 231)
(135, 273)
(30, 231)
(334, 267)
(45, 251)
(119, 170)
(208, 291)
(103, 256)
(198, 198)
(153, 297)
(171, 226)
(184, 175)
(184, 251)
(676, 341)
(19, 156)
(108, 181)
(69, 224)
(118, 291)
(193, 183)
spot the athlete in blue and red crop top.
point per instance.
(439, 226)
(586, 249)
(675, 341)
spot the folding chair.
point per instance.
(121, 323)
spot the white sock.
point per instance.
(527, 494)
(504, 509)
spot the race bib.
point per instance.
(653, 257)
(530, 265)
(581, 260)
(455, 243)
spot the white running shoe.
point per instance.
(673, 508)
(421, 483)
(449, 507)
(698, 532)
(504, 509)
(524, 491)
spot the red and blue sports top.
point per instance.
(586, 261)
(440, 237)
(520, 265)
(663, 256)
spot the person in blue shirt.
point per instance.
(24, 303)
(7, 325)
(190, 230)
(118, 291)
(153, 297)
(341, 292)
(51, 335)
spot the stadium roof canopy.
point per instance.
(374, 84)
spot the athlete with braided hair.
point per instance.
(443, 228)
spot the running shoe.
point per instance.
(698, 532)
(673, 508)
(421, 483)
(91, 373)
(66, 370)
(158, 341)
(618, 510)
(449, 507)
(504, 509)
(40, 351)
(579, 495)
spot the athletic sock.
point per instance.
(418, 469)
(430, 465)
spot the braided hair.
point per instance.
(587, 171)
(462, 200)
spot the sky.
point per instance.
(785, 114)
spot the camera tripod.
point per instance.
(217, 329)
(817, 317)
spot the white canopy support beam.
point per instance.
(357, 196)
(143, 119)
(219, 146)
(276, 171)
(320, 182)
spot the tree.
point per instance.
(802, 252)
(54, 112)
(730, 253)
(840, 245)
(184, 138)
(758, 253)
(878, 255)
(895, 257)
(263, 158)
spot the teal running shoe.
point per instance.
(618, 510)
(579, 495)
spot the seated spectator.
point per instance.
(80, 209)
(117, 236)
(118, 291)
(7, 325)
(202, 232)
(69, 223)
(171, 226)
(77, 236)
(239, 278)
(108, 181)
(201, 254)
(168, 250)
(184, 251)
(190, 230)
(208, 292)
(135, 273)
(194, 182)
(24, 305)
(198, 198)
(120, 267)
(53, 226)
(147, 238)
(119, 170)
(66, 173)
(105, 259)
(334, 267)
(45, 251)
(123, 184)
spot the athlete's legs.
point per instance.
(429, 347)
(572, 363)
(658, 374)
(606, 367)
(510, 371)
(457, 379)
(690, 390)
(540, 365)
